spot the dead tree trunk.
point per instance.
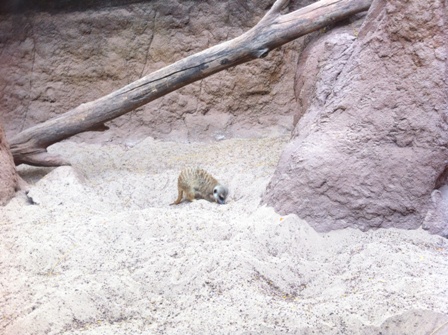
(272, 31)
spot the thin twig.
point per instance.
(439, 328)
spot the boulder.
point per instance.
(371, 139)
(436, 220)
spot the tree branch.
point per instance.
(277, 7)
(271, 32)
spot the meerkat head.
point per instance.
(220, 194)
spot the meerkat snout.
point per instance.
(220, 194)
(194, 183)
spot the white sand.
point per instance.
(102, 252)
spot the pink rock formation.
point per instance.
(436, 221)
(372, 134)
(8, 175)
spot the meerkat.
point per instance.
(197, 183)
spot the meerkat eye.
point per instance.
(215, 191)
(221, 197)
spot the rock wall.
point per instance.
(54, 60)
(8, 174)
(371, 138)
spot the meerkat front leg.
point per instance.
(190, 195)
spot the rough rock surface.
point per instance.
(8, 174)
(373, 142)
(52, 62)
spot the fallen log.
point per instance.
(272, 31)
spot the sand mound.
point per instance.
(96, 249)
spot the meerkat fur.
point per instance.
(195, 183)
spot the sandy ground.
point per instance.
(96, 249)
